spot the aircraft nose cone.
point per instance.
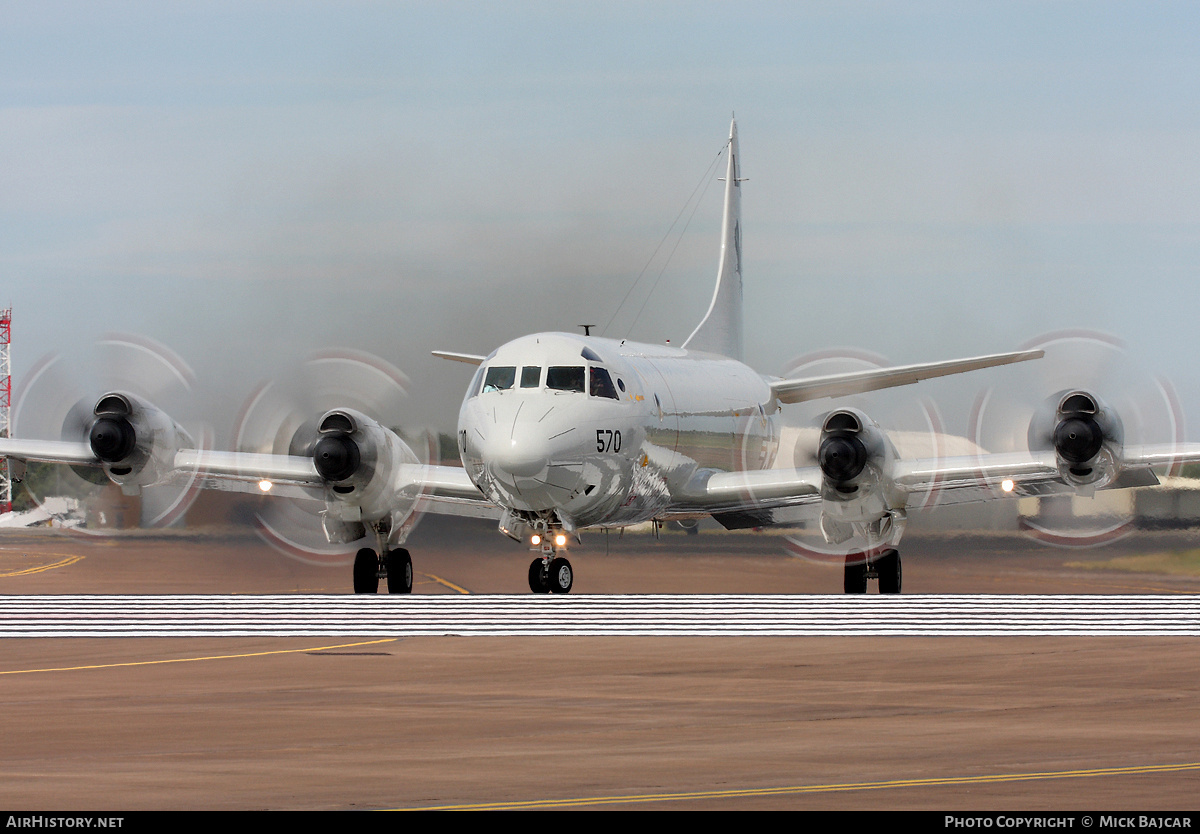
(527, 459)
(521, 460)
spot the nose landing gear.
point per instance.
(550, 574)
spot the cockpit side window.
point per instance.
(531, 375)
(601, 384)
(559, 378)
(474, 389)
(499, 378)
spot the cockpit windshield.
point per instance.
(601, 384)
(592, 379)
(499, 378)
(559, 378)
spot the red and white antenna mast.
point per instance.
(5, 405)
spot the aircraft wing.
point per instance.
(445, 486)
(784, 496)
(433, 481)
(244, 466)
(438, 489)
(56, 451)
(718, 492)
(1028, 472)
(1163, 454)
(760, 498)
(468, 358)
(858, 382)
(1033, 473)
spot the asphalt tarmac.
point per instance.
(1014, 723)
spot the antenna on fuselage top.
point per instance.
(587, 328)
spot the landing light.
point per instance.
(535, 540)
(1007, 485)
(265, 486)
(560, 540)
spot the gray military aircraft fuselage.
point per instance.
(583, 432)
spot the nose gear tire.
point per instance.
(561, 576)
(539, 583)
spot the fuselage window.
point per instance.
(564, 379)
(499, 378)
(601, 384)
(531, 375)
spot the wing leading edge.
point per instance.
(859, 382)
(762, 498)
(443, 489)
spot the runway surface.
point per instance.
(880, 720)
(596, 616)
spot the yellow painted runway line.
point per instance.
(447, 583)
(194, 659)
(69, 560)
(581, 802)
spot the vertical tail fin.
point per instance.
(720, 331)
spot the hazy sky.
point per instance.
(249, 182)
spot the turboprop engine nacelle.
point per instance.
(134, 441)
(363, 466)
(1086, 436)
(854, 456)
(850, 455)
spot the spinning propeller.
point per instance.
(105, 407)
(1086, 401)
(334, 408)
(835, 436)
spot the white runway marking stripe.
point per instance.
(648, 615)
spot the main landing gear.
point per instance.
(885, 567)
(395, 566)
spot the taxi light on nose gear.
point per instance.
(535, 540)
(560, 540)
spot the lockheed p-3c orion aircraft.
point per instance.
(559, 432)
